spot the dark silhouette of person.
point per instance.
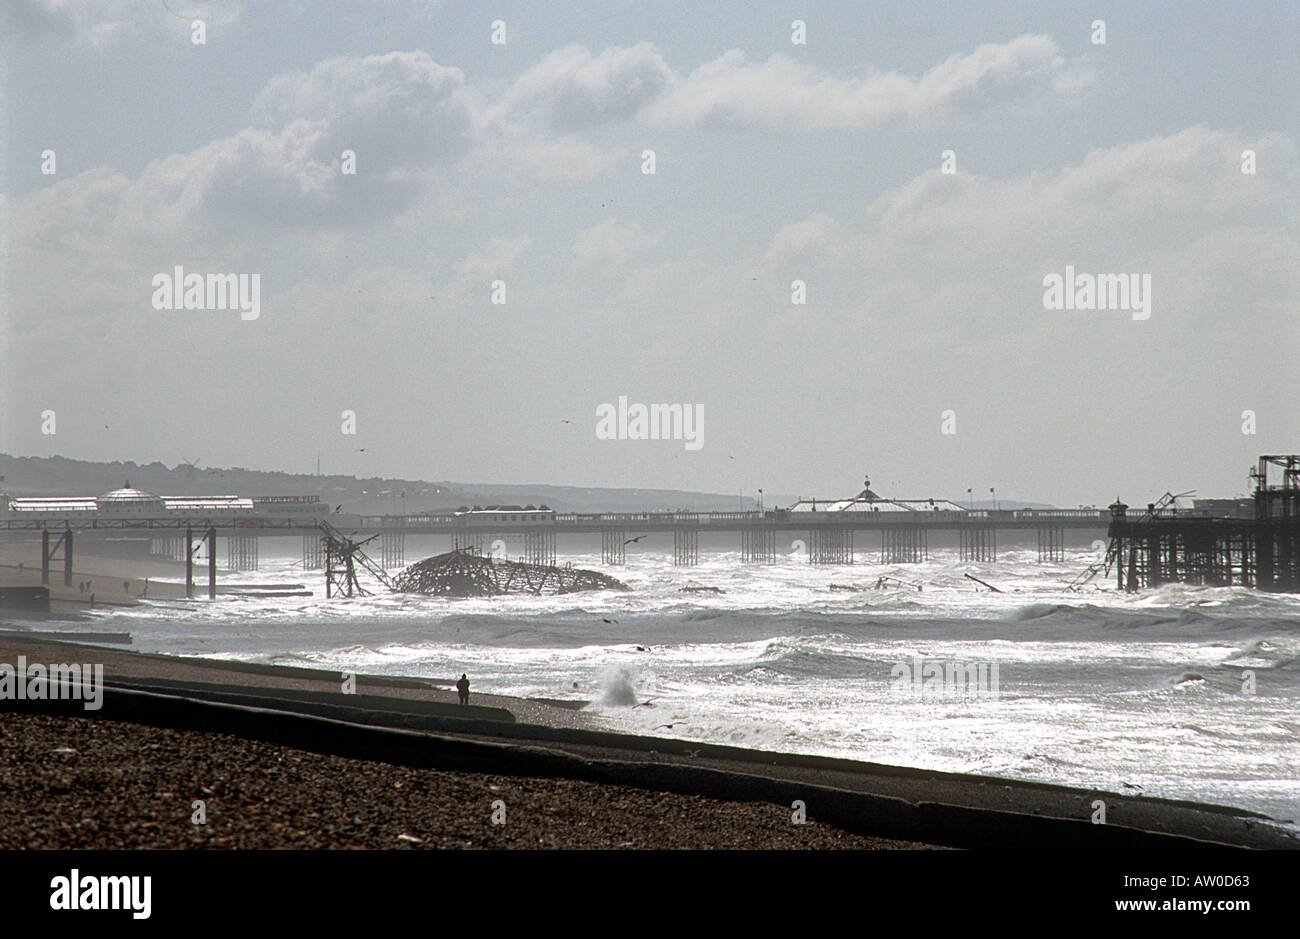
(462, 687)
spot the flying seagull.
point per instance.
(634, 540)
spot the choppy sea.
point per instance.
(1186, 692)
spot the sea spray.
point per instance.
(618, 687)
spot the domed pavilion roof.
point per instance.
(126, 495)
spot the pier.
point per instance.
(830, 537)
(1262, 552)
(1219, 543)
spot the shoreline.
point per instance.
(417, 723)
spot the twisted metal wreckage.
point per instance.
(459, 573)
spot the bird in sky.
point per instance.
(634, 540)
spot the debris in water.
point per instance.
(886, 581)
(978, 581)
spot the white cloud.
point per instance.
(612, 243)
(780, 93)
(400, 108)
(411, 121)
(515, 153)
(495, 260)
(1147, 192)
(817, 239)
(572, 90)
(101, 23)
(97, 23)
(402, 114)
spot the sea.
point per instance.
(1181, 692)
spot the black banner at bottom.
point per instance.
(141, 889)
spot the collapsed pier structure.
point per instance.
(465, 573)
(461, 572)
(343, 557)
(1262, 552)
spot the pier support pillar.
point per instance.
(212, 563)
(313, 554)
(167, 546)
(1286, 569)
(686, 547)
(539, 548)
(830, 545)
(392, 549)
(613, 547)
(1264, 560)
(980, 543)
(904, 545)
(1051, 543)
(241, 551)
(329, 568)
(48, 551)
(479, 542)
(757, 546)
(189, 563)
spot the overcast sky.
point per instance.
(774, 162)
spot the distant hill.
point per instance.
(60, 476)
(31, 476)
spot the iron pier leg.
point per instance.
(67, 558)
(212, 564)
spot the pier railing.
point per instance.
(437, 521)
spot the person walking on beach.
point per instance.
(462, 687)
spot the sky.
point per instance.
(913, 173)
